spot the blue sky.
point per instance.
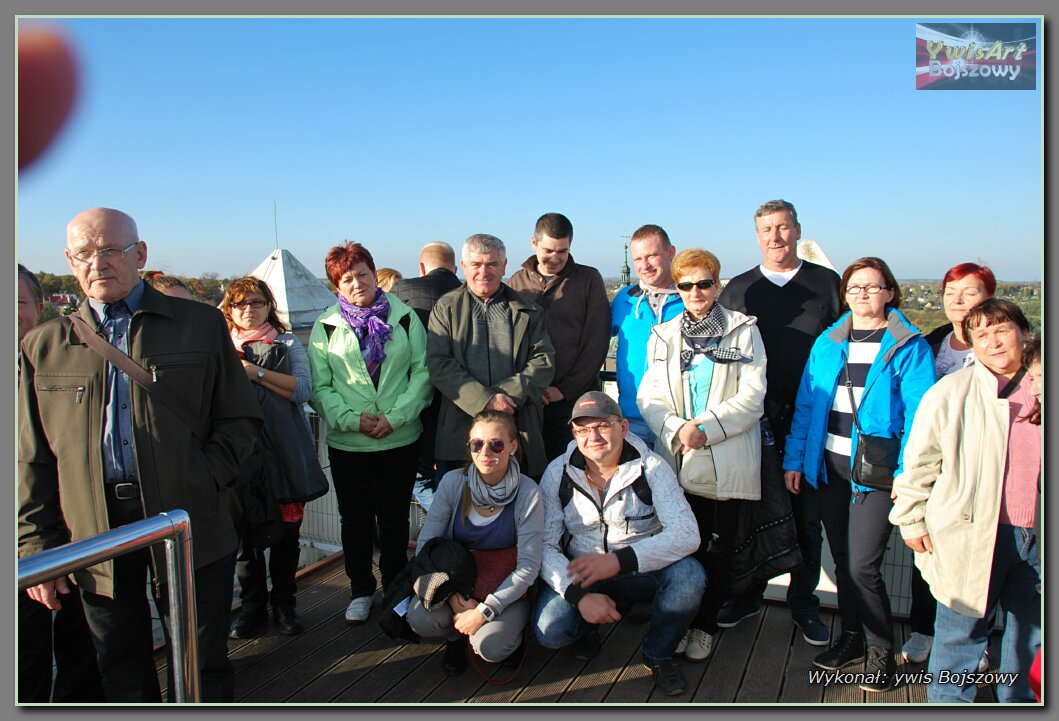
(397, 132)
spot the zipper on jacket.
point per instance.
(79, 391)
(154, 373)
(599, 510)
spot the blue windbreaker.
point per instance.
(631, 319)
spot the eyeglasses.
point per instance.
(240, 304)
(496, 445)
(86, 256)
(869, 289)
(704, 284)
(587, 431)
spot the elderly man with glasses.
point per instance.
(617, 529)
(99, 449)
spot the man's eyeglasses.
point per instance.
(86, 256)
(704, 284)
(496, 445)
(869, 289)
(240, 304)
(587, 431)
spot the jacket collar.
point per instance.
(333, 315)
(513, 298)
(898, 332)
(530, 266)
(152, 301)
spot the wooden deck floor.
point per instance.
(764, 660)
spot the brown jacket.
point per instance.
(60, 415)
(577, 315)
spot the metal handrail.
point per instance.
(172, 527)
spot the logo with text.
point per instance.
(978, 56)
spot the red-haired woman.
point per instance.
(367, 354)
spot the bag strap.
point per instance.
(849, 389)
(143, 378)
(491, 679)
(1010, 387)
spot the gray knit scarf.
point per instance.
(501, 494)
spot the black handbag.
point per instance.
(877, 457)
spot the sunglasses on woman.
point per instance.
(496, 445)
(704, 284)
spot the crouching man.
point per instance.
(617, 529)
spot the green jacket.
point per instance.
(60, 412)
(342, 388)
(463, 396)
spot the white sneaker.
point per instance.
(358, 609)
(917, 647)
(682, 645)
(700, 645)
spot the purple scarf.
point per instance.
(369, 325)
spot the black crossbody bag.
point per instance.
(877, 457)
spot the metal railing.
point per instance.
(172, 527)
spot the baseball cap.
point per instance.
(595, 404)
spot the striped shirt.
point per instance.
(840, 427)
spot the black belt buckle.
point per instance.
(126, 491)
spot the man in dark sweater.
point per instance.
(577, 314)
(794, 302)
(437, 276)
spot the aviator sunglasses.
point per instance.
(496, 445)
(704, 284)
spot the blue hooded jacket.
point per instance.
(901, 373)
(631, 319)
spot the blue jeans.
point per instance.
(960, 640)
(674, 593)
(423, 491)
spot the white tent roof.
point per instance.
(300, 296)
(811, 251)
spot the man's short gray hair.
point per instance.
(776, 206)
(483, 243)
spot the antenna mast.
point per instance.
(275, 224)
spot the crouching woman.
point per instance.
(495, 511)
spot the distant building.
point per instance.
(626, 273)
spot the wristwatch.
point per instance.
(487, 611)
(260, 374)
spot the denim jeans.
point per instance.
(674, 593)
(959, 640)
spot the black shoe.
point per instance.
(668, 677)
(248, 623)
(879, 670)
(847, 651)
(737, 611)
(287, 620)
(587, 647)
(813, 630)
(455, 659)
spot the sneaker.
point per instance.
(983, 662)
(849, 650)
(668, 678)
(699, 646)
(737, 611)
(682, 645)
(814, 631)
(587, 647)
(879, 670)
(455, 659)
(917, 647)
(358, 609)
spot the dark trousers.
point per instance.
(373, 486)
(869, 531)
(924, 606)
(40, 634)
(556, 427)
(714, 518)
(283, 558)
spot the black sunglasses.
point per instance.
(496, 445)
(704, 284)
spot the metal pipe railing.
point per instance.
(172, 527)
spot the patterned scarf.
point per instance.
(484, 495)
(369, 325)
(264, 332)
(702, 336)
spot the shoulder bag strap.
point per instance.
(133, 370)
(1012, 384)
(849, 389)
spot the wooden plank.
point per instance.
(764, 673)
(733, 646)
(796, 686)
(552, 681)
(418, 684)
(597, 680)
(392, 661)
(360, 649)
